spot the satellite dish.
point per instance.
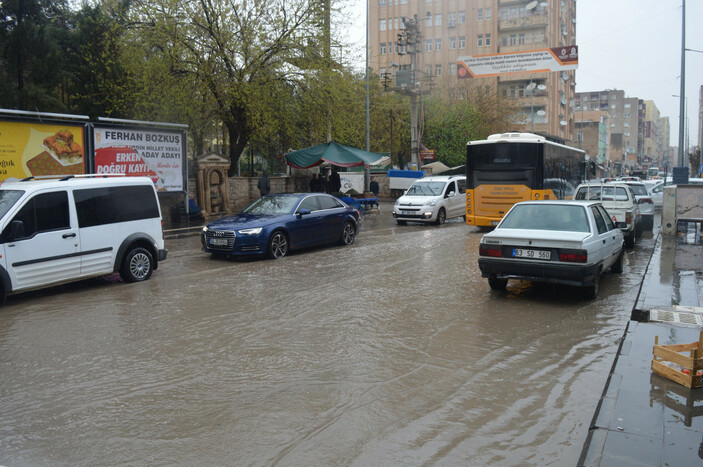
(531, 5)
(563, 123)
(541, 87)
(530, 87)
(541, 113)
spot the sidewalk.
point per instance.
(644, 419)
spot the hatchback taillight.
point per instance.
(573, 256)
(490, 251)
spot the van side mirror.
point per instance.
(451, 193)
(17, 228)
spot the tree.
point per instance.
(236, 52)
(31, 57)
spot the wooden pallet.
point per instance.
(688, 374)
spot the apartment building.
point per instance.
(623, 122)
(450, 29)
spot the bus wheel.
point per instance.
(497, 284)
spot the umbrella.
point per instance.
(334, 153)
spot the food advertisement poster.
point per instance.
(35, 149)
(158, 154)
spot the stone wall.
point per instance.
(243, 190)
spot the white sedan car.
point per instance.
(564, 242)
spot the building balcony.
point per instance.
(537, 20)
(523, 47)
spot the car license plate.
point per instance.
(532, 254)
(218, 241)
(407, 213)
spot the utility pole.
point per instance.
(682, 94)
(411, 40)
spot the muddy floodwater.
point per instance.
(393, 351)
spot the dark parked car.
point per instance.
(277, 223)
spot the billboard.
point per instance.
(35, 149)
(138, 151)
(529, 61)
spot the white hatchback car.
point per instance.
(432, 199)
(563, 242)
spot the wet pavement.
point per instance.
(393, 351)
(645, 419)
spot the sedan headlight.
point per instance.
(255, 231)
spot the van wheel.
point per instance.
(630, 240)
(137, 265)
(441, 216)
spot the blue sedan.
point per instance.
(275, 224)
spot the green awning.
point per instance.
(334, 153)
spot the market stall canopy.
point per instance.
(435, 167)
(334, 153)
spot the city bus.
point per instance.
(510, 167)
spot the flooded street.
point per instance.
(393, 351)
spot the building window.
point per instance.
(452, 43)
(479, 14)
(604, 98)
(428, 45)
(428, 70)
(612, 106)
(403, 2)
(627, 133)
(462, 42)
(612, 125)
(585, 98)
(627, 124)
(382, 49)
(382, 24)
(521, 38)
(461, 17)
(627, 106)
(613, 97)
(513, 39)
(438, 44)
(488, 40)
(488, 14)
(452, 68)
(480, 40)
(627, 115)
(383, 2)
(438, 20)
(452, 18)
(428, 19)
(438, 70)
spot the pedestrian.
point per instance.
(335, 181)
(264, 184)
(373, 186)
(314, 184)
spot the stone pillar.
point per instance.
(213, 184)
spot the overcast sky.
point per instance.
(634, 46)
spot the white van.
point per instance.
(432, 199)
(65, 229)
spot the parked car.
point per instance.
(432, 199)
(563, 242)
(277, 223)
(645, 203)
(619, 200)
(75, 227)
